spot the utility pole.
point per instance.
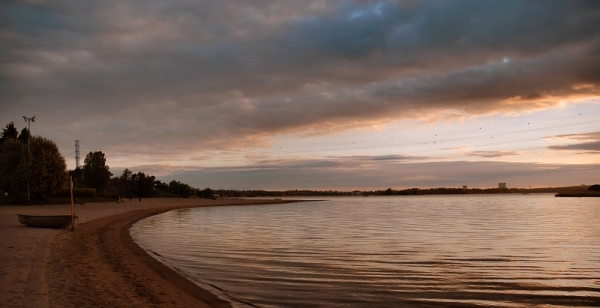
(28, 120)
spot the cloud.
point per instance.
(489, 154)
(212, 74)
(591, 144)
(585, 136)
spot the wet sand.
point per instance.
(98, 265)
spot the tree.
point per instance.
(207, 193)
(161, 186)
(125, 185)
(143, 184)
(12, 169)
(25, 135)
(179, 189)
(77, 176)
(9, 132)
(47, 168)
(96, 173)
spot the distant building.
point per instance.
(502, 185)
(465, 187)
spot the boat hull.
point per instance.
(52, 221)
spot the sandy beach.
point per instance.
(98, 265)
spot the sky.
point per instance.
(325, 95)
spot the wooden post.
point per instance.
(72, 206)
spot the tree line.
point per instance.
(95, 173)
(402, 192)
(36, 162)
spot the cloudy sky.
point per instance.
(312, 94)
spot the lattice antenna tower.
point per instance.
(77, 154)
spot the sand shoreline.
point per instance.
(98, 265)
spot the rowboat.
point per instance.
(51, 221)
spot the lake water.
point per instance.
(425, 251)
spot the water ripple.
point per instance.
(427, 251)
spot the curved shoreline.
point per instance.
(100, 265)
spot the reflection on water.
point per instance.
(428, 251)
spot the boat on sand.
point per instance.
(48, 221)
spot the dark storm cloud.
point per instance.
(417, 31)
(218, 73)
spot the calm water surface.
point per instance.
(428, 251)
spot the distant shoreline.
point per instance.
(579, 195)
(401, 192)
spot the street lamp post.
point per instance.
(28, 120)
